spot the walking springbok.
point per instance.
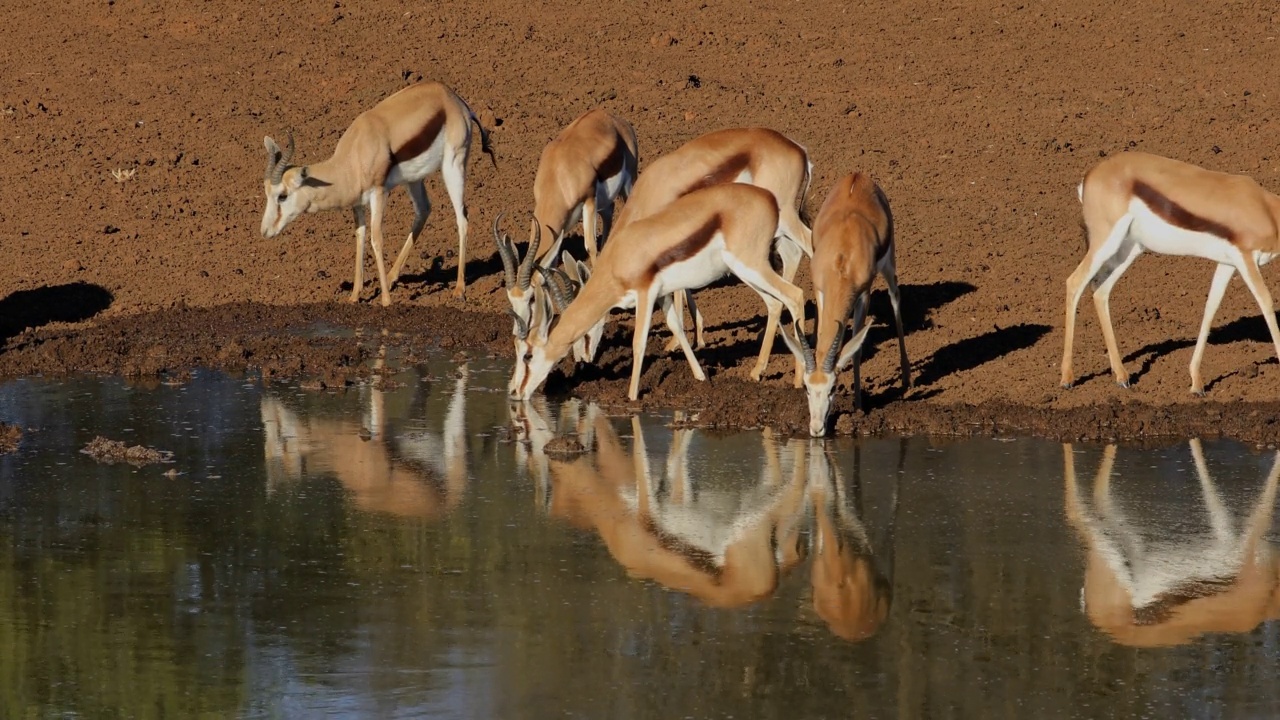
(1134, 202)
(415, 132)
(1150, 591)
(853, 241)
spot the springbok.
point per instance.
(1147, 591)
(853, 241)
(415, 132)
(702, 236)
(1134, 202)
(416, 474)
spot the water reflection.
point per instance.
(417, 547)
(723, 539)
(420, 473)
(1145, 585)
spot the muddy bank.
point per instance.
(332, 345)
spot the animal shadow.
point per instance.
(973, 352)
(72, 302)
(1249, 328)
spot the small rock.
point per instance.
(564, 448)
(114, 451)
(72, 265)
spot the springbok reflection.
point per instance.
(412, 474)
(725, 546)
(1147, 591)
(850, 593)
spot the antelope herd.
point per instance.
(723, 204)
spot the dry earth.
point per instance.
(977, 118)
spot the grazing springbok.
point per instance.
(756, 156)
(416, 474)
(1145, 590)
(1134, 202)
(725, 546)
(852, 242)
(699, 238)
(582, 171)
(415, 132)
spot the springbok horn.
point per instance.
(278, 171)
(522, 327)
(829, 363)
(809, 361)
(559, 295)
(571, 285)
(506, 252)
(526, 266)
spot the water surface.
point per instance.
(415, 551)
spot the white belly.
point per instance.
(415, 169)
(698, 271)
(1156, 235)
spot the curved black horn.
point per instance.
(561, 296)
(807, 352)
(829, 362)
(506, 252)
(277, 172)
(531, 256)
(521, 329)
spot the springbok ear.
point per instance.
(570, 265)
(295, 179)
(584, 272)
(272, 148)
(851, 347)
(789, 338)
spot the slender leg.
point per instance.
(421, 209)
(1084, 272)
(675, 322)
(589, 225)
(699, 326)
(790, 252)
(644, 320)
(1218, 288)
(454, 171)
(362, 227)
(606, 219)
(645, 492)
(1219, 516)
(1128, 252)
(377, 207)
(1253, 279)
(859, 319)
(895, 299)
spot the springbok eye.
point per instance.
(282, 197)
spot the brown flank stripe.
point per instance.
(726, 172)
(697, 557)
(1176, 215)
(687, 248)
(612, 164)
(421, 142)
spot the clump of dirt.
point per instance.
(114, 451)
(10, 437)
(564, 448)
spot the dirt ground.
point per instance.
(978, 119)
